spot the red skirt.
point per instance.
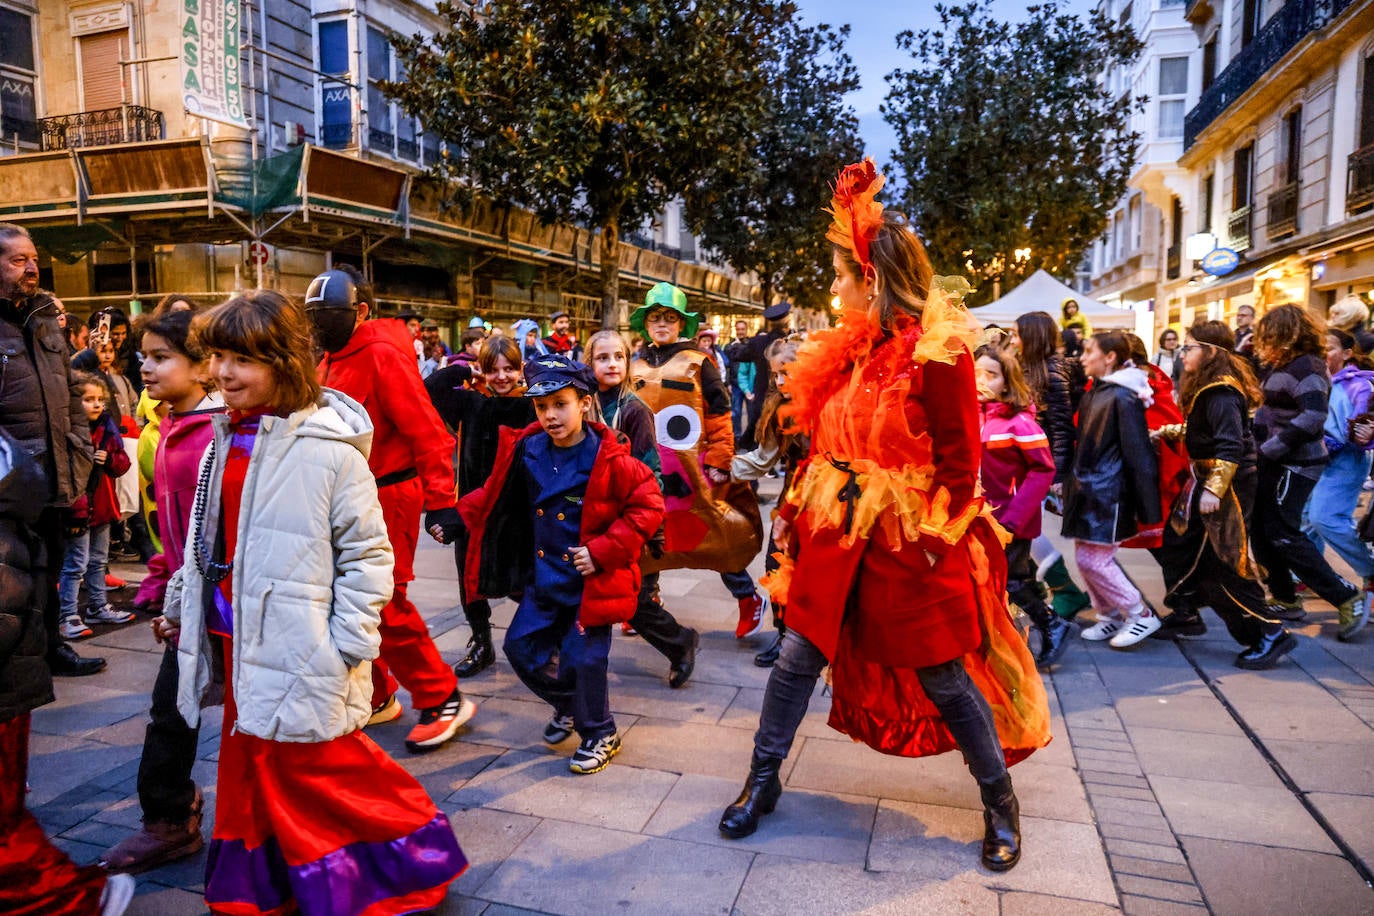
(333, 828)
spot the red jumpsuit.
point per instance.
(411, 461)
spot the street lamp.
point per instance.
(1199, 245)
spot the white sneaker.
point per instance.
(1105, 628)
(117, 895)
(1139, 625)
(73, 628)
(107, 614)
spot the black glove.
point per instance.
(447, 519)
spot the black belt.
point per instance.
(387, 480)
(849, 494)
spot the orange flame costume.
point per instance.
(892, 479)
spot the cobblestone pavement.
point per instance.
(1175, 783)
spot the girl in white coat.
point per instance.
(288, 567)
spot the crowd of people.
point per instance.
(274, 463)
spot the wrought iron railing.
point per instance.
(1238, 228)
(1282, 212)
(1359, 188)
(1173, 262)
(1278, 36)
(126, 124)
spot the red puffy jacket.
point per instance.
(621, 510)
(377, 369)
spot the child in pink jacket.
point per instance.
(1017, 471)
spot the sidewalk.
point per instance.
(1176, 783)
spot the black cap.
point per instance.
(547, 374)
(777, 311)
(332, 289)
(407, 314)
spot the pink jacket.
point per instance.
(175, 470)
(1017, 469)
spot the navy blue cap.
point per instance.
(777, 311)
(547, 374)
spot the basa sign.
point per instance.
(1220, 262)
(211, 67)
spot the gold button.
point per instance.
(565, 556)
(561, 516)
(538, 511)
(541, 553)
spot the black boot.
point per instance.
(1274, 643)
(1055, 636)
(759, 797)
(680, 670)
(1185, 621)
(480, 657)
(767, 657)
(1001, 825)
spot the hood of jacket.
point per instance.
(1134, 380)
(338, 417)
(522, 330)
(178, 427)
(379, 332)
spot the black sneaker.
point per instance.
(1180, 623)
(595, 754)
(559, 729)
(1293, 613)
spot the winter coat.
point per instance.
(1017, 468)
(1350, 396)
(184, 438)
(1114, 481)
(1289, 424)
(39, 399)
(631, 416)
(1161, 409)
(102, 502)
(621, 509)
(377, 369)
(1055, 408)
(25, 681)
(311, 573)
(476, 419)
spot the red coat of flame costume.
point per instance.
(893, 477)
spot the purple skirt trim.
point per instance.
(344, 882)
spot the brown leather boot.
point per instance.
(157, 842)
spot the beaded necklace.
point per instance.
(213, 571)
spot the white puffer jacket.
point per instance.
(313, 570)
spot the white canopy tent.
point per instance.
(1042, 293)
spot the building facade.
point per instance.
(132, 196)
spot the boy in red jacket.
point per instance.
(563, 519)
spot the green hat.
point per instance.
(668, 296)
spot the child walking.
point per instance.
(622, 410)
(1017, 471)
(288, 570)
(88, 537)
(563, 519)
(1112, 487)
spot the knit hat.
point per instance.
(667, 296)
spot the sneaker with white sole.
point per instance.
(595, 754)
(1139, 626)
(389, 711)
(1104, 629)
(1353, 615)
(74, 628)
(107, 614)
(439, 723)
(559, 729)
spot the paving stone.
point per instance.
(1145, 807)
(806, 825)
(786, 886)
(619, 796)
(1112, 761)
(153, 899)
(1150, 820)
(651, 697)
(1149, 868)
(1352, 817)
(1022, 904)
(58, 764)
(1166, 752)
(1179, 892)
(1132, 905)
(1154, 851)
(1150, 835)
(944, 843)
(1190, 713)
(513, 723)
(1321, 718)
(1106, 777)
(689, 747)
(1096, 790)
(86, 712)
(1226, 811)
(1323, 766)
(487, 836)
(456, 904)
(743, 714)
(580, 869)
(1239, 878)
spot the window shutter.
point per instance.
(101, 80)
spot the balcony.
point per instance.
(1283, 212)
(1280, 35)
(1238, 228)
(106, 127)
(1359, 189)
(1173, 262)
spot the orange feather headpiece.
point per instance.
(858, 217)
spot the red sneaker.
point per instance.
(440, 723)
(113, 581)
(750, 615)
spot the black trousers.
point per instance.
(659, 628)
(1021, 585)
(478, 613)
(1280, 544)
(165, 788)
(52, 547)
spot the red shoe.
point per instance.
(627, 629)
(112, 581)
(440, 723)
(750, 615)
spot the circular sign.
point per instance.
(258, 253)
(1220, 262)
(678, 427)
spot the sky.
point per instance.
(873, 46)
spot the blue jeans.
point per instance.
(1330, 515)
(87, 556)
(563, 663)
(740, 584)
(738, 414)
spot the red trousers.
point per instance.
(408, 651)
(35, 876)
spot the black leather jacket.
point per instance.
(25, 681)
(1114, 479)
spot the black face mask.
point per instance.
(333, 327)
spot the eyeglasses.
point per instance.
(1196, 346)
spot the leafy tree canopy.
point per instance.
(1008, 138)
(591, 111)
(768, 217)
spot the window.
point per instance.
(102, 78)
(390, 130)
(1292, 148)
(1251, 12)
(1243, 178)
(336, 98)
(1173, 93)
(18, 109)
(1135, 221)
(1367, 104)
(1176, 228)
(1209, 189)
(1209, 63)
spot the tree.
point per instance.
(1009, 138)
(769, 217)
(590, 111)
